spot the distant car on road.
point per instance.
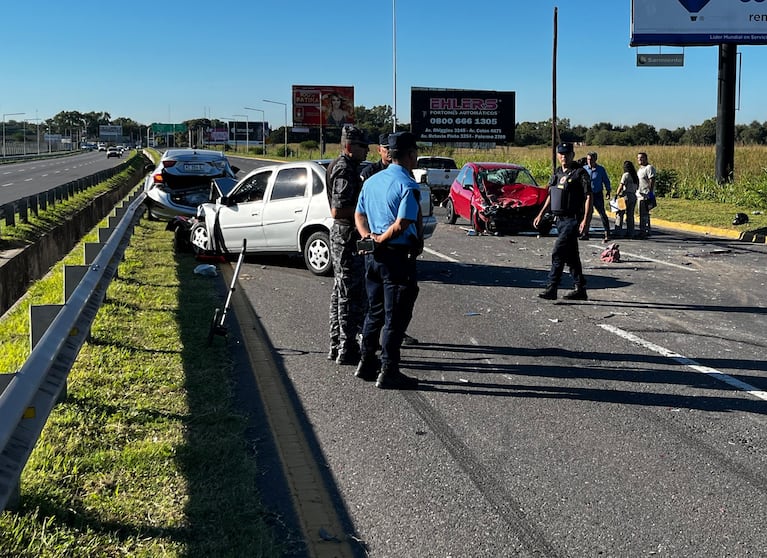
(499, 198)
(182, 181)
(113, 152)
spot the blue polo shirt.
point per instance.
(599, 178)
(387, 196)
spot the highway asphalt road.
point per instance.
(18, 180)
(633, 424)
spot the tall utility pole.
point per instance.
(554, 133)
(725, 113)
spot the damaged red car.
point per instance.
(496, 198)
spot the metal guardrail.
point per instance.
(29, 397)
(35, 203)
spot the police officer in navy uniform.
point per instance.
(388, 212)
(570, 201)
(348, 296)
(383, 151)
(370, 170)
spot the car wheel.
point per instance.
(181, 242)
(200, 239)
(451, 217)
(476, 222)
(317, 253)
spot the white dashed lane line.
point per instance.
(712, 372)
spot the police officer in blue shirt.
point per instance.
(570, 201)
(388, 214)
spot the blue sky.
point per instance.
(181, 59)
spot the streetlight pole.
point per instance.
(4, 115)
(263, 125)
(394, 62)
(285, 105)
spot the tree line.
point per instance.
(379, 119)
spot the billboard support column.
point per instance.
(725, 113)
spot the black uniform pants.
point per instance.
(566, 252)
(392, 287)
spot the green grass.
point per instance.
(147, 456)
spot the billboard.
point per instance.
(160, 128)
(110, 131)
(698, 22)
(242, 131)
(462, 116)
(323, 105)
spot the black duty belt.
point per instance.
(397, 248)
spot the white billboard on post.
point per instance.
(698, 22)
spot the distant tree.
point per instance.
(753, 134)
(642, 134)
(704, 134)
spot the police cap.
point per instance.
(402, 141)
(352, 134)
(565, 148)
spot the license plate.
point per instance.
(194, 167)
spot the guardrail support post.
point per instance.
(40, 318)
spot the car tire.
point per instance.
(181, 243)
(199, 236)
(451, 217)
(476, 222)
(317, 253)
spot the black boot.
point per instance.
(333, 353)
(550, 293)
(349, 354)
(391, 378)
(407, 340)
(368, 368)
(579, 293)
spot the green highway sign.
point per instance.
(167, 128)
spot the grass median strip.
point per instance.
(147, 456)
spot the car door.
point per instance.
(286, 209)
(242, 214)
(462, 201)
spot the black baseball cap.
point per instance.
(402, 141)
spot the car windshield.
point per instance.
(503, 177)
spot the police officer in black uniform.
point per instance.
(383, 151)
(347, 301)
(570, 201)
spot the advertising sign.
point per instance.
(218, 135)
(698, 22)
(110, 131)
(158, 128)
(247, 131)
(462, 116)
(323, 105)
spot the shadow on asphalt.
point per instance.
(469, 364)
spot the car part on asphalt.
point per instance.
(218, 323)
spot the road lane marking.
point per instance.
(646, 258)
(712, 372)
(441, 255)
(312, 501)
